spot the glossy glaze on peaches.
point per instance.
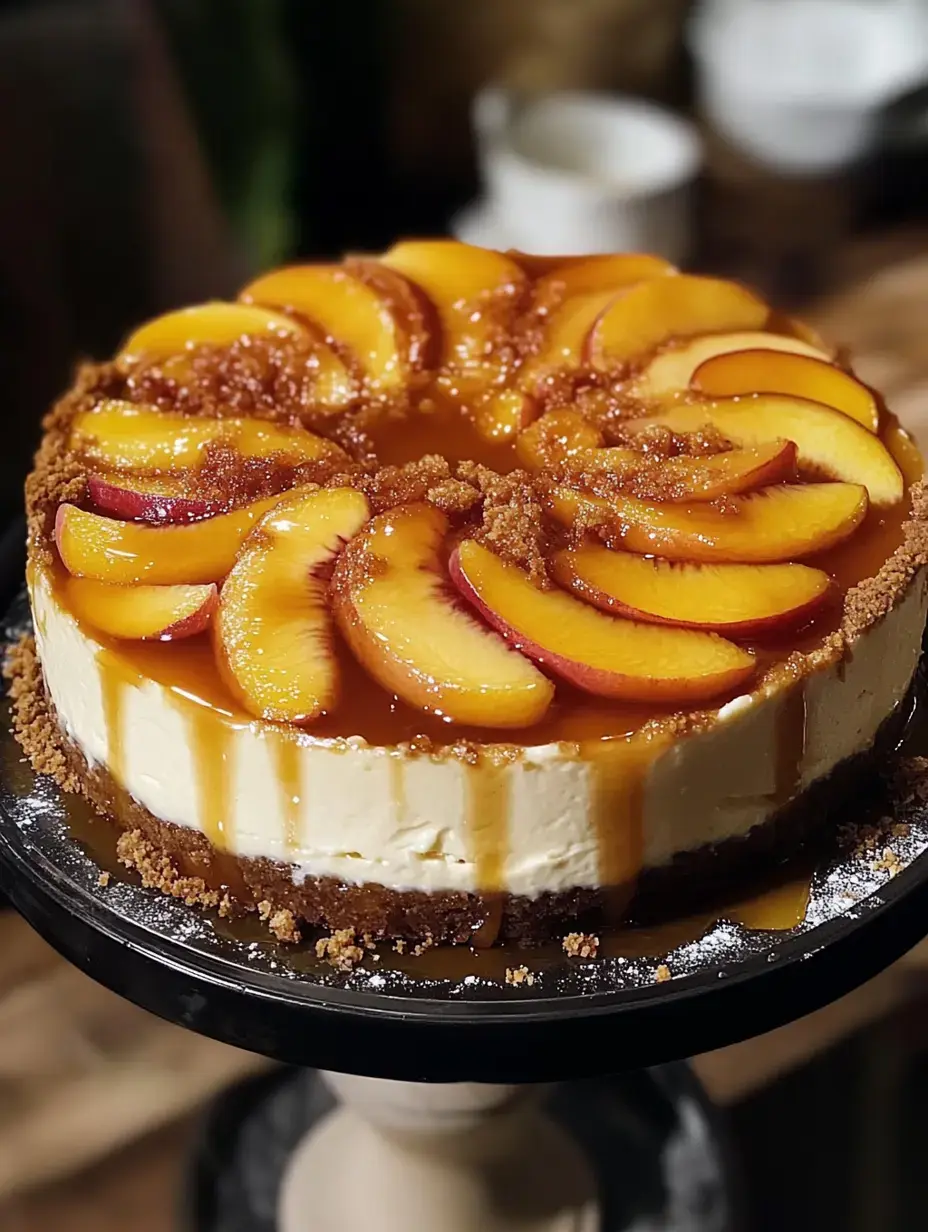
(485, 485)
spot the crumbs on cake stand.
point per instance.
(580, 945)
(519, 975)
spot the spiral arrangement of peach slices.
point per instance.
(693, 455)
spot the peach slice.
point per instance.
(597, 653)
(273, 628)
(503, 414)
(554, 437)
(802, 376)
(565, 338)
(142, 613)
(144, 499)
(735, 600)
(591, 275)
(774, 524)
(905, 452)
(393, 610)
(214, 324)
(657, 311)
(828, 442)
(349, 311)
(124, 553)
(475, 292)
(671, 371)
(695, 479)
(125, 436)
(416, 316)
(335, 387)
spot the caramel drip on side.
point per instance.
(619, 769)
(288, 763)
(488, 788)
(790, 744)
(113, 685)
(398, 788)
(211, 744)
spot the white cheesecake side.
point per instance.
(525, 824)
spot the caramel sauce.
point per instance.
(287, 762)
(777, 909)
(487, 812)
(213, 754)
(619, 769)
(398, 789)
(113, 684)
(439, 425)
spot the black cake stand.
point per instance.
(436, 1062)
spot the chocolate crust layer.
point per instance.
(183, 863)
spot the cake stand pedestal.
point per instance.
(300, 1150)
(480, 1150)
(462, 1157)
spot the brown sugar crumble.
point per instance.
(280, 921)
(103, 880)
(33, 725)
(519, 975)
(581, 945)
(340, 949)
(663, 974)
(159, 873)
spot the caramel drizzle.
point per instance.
(213, 763)
(288, 760)
(113, 685)
(398, 789)
(619, 769)
(488, 787)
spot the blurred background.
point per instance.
(159, 151)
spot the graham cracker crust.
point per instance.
(182, 862)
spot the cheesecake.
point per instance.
(463, 596)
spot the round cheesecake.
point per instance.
(460, 595)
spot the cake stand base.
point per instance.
(303, 1151)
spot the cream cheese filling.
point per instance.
(547, 820)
